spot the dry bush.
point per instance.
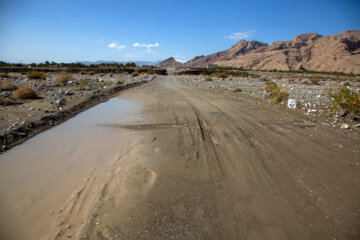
(345, 99)
(208, 78)
(4, 75)
(83, 82)
(237, 90)
(220, 75)
(36, 75)
(110, 83)
(121, 81)
(277, 93)
(7, 86)
(101, 85)
(63, 78)
(315, 81)
(25, 93)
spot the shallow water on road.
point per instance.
(37, 177)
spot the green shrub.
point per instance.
(36, 75)
(110, 83)
(345, 99)
(270, 86)
(83, 82)
(25, 93)
(277, 93)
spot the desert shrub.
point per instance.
(345, 99)
(121, 81)
(82, 72)
(101, 84)
(315, 81)
(25, 93)
(4, 75)
(279, 77)
(110, 83)
(82, 83)
(7, 86)
(270, 86)
(208, 78)
(150, 71)
(63, 78)
(237, 90)
(36, 75)
(220, 75)
(277, 93)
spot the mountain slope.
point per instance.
(169, 63)
(240, 48)
(339, 52)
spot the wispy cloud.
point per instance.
(241, 35)
(146, 45)
(117, 46)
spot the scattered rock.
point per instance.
(292, 103)
(345, 126)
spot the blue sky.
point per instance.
(90, 30)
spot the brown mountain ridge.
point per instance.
(311, 51)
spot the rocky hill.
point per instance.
(334, 53)
(169, 63)
(239, 49)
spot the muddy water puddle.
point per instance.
(38, 176)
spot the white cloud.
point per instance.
(146, 45)
(241, 35)
(117, 46)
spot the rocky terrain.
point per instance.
(312, 52)
(308, 90)
(23, 118)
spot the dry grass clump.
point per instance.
(121, 81)
(25, 93)
(36, 75)
(101, 85)
(4, 75)
(277, 93)
(220, 75)
(315, 81)
(208, 78)
(110, 83)
(345, 99)
(82, 83)
(7, 86)
(63, 78)
(237, 90)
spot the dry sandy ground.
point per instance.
(187, 164)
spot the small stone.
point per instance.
(345, 126)
(97, 223)
(68, 226)
(6, 93)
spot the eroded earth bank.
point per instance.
(167, 160)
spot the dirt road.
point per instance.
(202, 165)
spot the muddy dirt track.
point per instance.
(202, 165)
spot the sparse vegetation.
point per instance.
(220, 75)
(315, 81)
(4, 75)
(121, 81)
(7, 86)
(25, 93)
(63, 78)
(36, 75)
(277, 93)
(237, 90)
(82, 83)
(208, 78)
(110, 83)
(101, 85)
(345, 99)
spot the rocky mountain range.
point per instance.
(169, 63)
(311, 51)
